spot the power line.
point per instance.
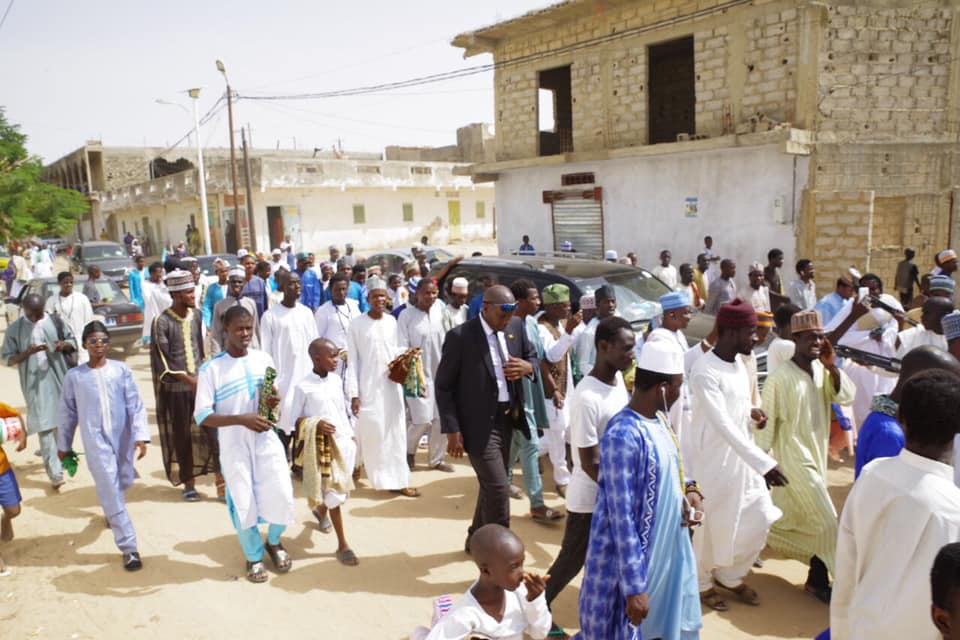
(218, 106)
(503, 64)
(6, 13)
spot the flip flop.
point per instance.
(549, 515)
(516, 492)
(256, 572)
(409, 492)
(348, 557)
(323, 521)
(712, 599)
(281, 559)
(743, 593)
(190, 495)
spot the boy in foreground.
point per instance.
(505, 602)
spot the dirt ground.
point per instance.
(67, 582)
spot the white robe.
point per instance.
(720, 453)
(254, 464)
(424, 331)
(77, 312)
(555, 438)
(155, 300)
(919, 336)
(899, 513)
(286, 334)
(316, 397)
(381, 427)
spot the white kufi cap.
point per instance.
(660, 357)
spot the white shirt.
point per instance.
(467, 619)
(668, 274)
(919, 336)
(592, 404)
(333, 321)
(503, 393)
(584, 347)
(76, 312)
(899, 513)
(759, 298)
(286, 334)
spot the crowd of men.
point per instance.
(679, 464)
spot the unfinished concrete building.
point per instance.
(828, 129)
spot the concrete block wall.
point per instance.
(884, 73)
(734, 73)
(770, 86)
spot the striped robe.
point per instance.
(797, 434)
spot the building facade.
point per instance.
(828, 129)
(316, 198)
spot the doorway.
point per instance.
(453, 220)
(275, 226)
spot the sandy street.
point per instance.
(67, 582)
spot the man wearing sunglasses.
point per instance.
(480, 398)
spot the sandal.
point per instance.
(548, 515)
(256, 572)
(743, 593)
(281, 559)
(190, 495)
(323, 521)
(348, 557)
(712, 599)
(408, 492)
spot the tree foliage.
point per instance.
(28, 206)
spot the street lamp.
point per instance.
(233, 158)
(195, 95)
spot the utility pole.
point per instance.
(238, 222)
(246, 171)
(195, 94)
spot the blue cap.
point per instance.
(951, 325)
(674, 300)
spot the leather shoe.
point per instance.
(443, 466)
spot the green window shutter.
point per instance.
(481, 209)
(359, 214)
(408, 212)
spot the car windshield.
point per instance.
(439, 254)
(108, 290)
(103, 251)
(638, 294)
(206, 263)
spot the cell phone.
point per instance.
(697, 516)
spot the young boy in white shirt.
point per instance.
(505, 602)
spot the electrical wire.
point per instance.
(502, 64)
(6, 13)
(217, 107)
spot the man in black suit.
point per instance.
(480, 397)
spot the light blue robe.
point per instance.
(637, 541)
(135, 286)
(105, 403)
(40, 386)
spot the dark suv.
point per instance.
(638, 291)
(114, 261)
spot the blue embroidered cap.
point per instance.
(951, 325)
(674, 300)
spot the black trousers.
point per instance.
(493, 498)
(573, 553)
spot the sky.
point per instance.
(72, 72)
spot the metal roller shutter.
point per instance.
(579, 220)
